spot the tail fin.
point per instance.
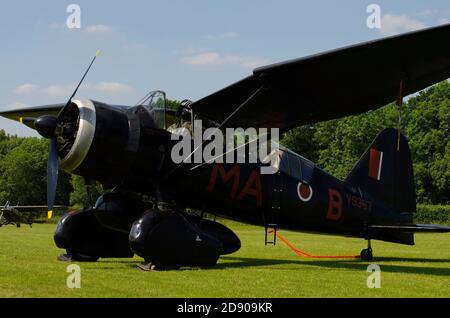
(386, 172)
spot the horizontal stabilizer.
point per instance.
(35, 207)
(410, 228)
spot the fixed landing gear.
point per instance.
(149, 266)
(86, 240)
(76, 258)
(366, 254)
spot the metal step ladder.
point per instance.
(271, 227)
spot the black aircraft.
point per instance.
(148, 208)
(22, 214)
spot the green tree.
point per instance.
(7, 143)
(336, 145)
(429, 139)
(301, 141)
(342, 142)
(84, 195)
(24, 173)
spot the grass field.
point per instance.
(28, 268)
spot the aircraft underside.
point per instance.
(165, 239)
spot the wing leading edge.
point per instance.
(333, 84)
(29, 114)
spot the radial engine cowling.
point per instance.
(110, 144)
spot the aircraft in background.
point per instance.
(147, 209)
(22, 214)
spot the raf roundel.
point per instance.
(304, 192)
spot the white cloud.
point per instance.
(215, 59)
(64, 91)
(58, 90)
(209, 58)
(111, 87)
(246, 61)
(99, 28)
(395, 24)
(443, 21)
(192, 50)
(25, 89)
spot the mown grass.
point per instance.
(28, 268)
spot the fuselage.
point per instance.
(128, 151)
(299, 197)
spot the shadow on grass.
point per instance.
(412, 259)
(242, 262)
(239, 262)
(118, 261)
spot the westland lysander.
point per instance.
(148, 206)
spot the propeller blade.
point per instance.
(46, 125)
(61, 113)
(52, 175)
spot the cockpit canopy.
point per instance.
(155, 103)
(167, 115)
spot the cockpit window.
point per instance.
(169, 115)
(155, 103)
(295, 165)
(157, 100)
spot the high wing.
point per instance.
(29, 114)
(334, 84)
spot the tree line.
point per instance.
(23, 175)
(334, 145)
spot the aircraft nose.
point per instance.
(45, 126)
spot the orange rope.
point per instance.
(306, 255)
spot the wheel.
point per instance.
(366, 254)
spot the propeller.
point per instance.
(52, 175)
(46, 126)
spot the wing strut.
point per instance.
(401, 92)
(225, 121)
(239, 108)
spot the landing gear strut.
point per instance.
(366, 254)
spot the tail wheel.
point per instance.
(366, 254)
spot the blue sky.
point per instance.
(187, 48)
